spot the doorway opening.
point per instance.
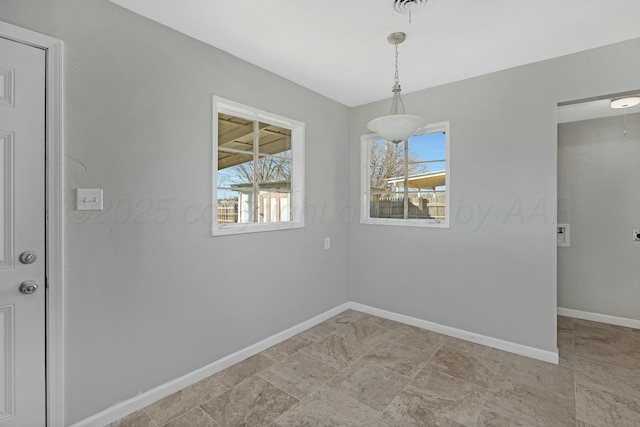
(598, 210)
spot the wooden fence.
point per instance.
(227, 214)
(420, 206)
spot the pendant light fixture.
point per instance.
(397, 126)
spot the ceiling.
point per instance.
(339, 48)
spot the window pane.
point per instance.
(235, 193)
(274, 139)
(385, 162)
(235, 140)
(274, 171)
(425, 177)
(427, 154)
(241, 170)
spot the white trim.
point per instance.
(226, 106)
(55, 214)
(142, 400)
(138, 402)
(365, 218)
(511, 347)
(597, 317)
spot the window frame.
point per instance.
(226, 106)
(365, 188)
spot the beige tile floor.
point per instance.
(360, 370)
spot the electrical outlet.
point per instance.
(636, 235)
(327, 242)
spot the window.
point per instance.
(407, 183)
(259, 178)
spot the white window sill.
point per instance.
(230, 229)
(406, 222)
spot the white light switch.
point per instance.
(89, 199)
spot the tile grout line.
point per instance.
(495, 377)
(245, 379)
(427, 367)
(405, 387)
(573, 365)
(257, 374)
(610, 365)
(350, 363)
(299, 401)
(419, 370)
(381, 367)
(197, 405)
(144, 410)
(325, 383)
(209, 416)
(489, 389)
(367, 350)
(228, 389)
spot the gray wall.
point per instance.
(494, 271)
(149, 299)
(599, 196)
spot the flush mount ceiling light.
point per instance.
(397, 126)
(626, 102)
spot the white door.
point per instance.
(22, 229)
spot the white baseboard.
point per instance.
(511, 347)
(138, 402)
(597, 317)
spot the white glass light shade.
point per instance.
(396, 127)
(629, 101)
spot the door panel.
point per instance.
(22, 228)
(6, 207)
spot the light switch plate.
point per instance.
(89, 199)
